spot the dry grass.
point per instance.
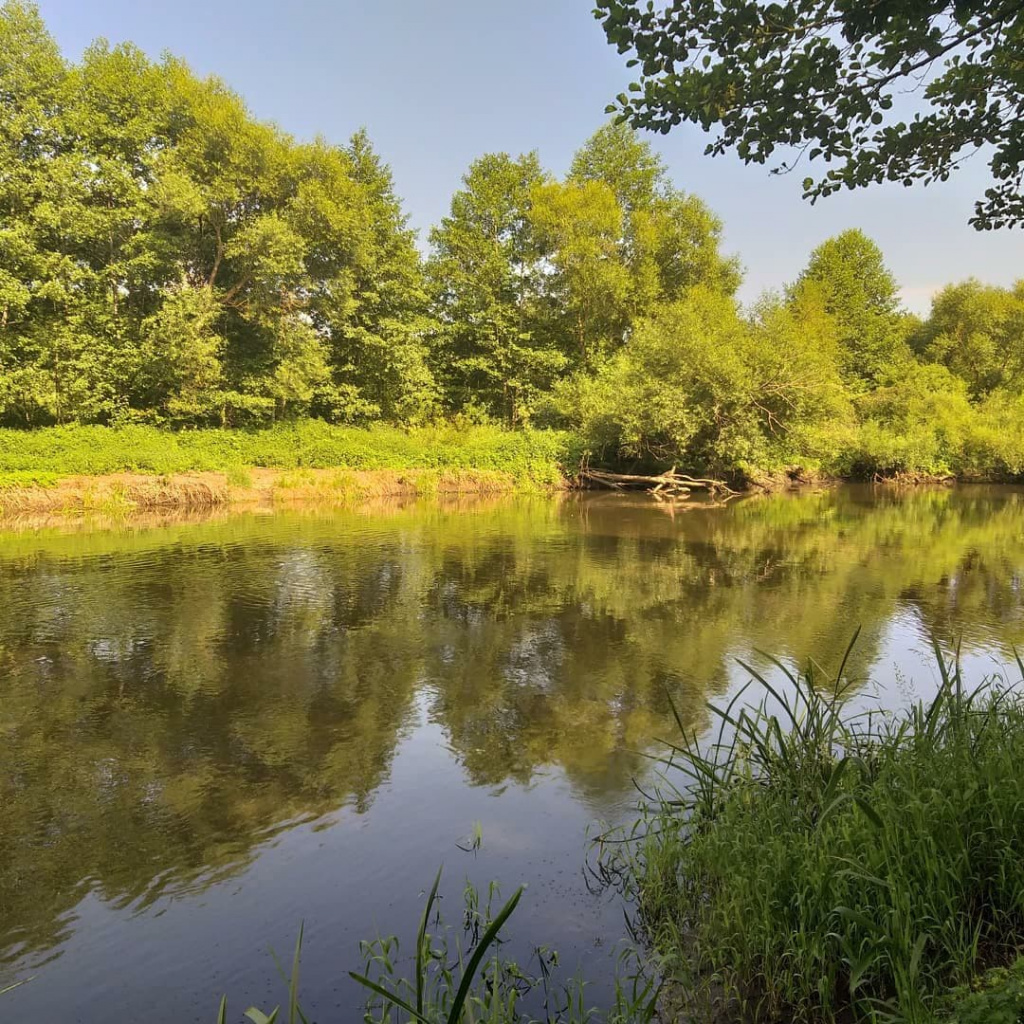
(129, 492)
(116, 493)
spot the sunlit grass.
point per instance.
(41, 456)
(811, 864)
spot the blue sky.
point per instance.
(439, 82)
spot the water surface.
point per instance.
(211, 729)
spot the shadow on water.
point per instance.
(212, 727)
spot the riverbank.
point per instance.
(136, 469)
(75, 469)
(119, 493)
(814, 864)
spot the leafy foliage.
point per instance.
(999, 999)
(978, 332)
(535, 279)
(827, 78)
(699, 385)
(848, 276)
(168, 258)
(486, 271)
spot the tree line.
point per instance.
(167, 258)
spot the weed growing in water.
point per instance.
(451, 984)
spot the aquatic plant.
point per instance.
(453, 985)
(815, 864)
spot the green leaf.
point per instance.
(455, 1015)
(259, 1017)
(391, 997)
(421, 935)
(869, 812)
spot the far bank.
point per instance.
(122, 469)
(77, 468)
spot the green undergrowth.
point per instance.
(996, 998)
(42, 456)
(815, 865)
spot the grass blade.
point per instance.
(259, 1017)
(421, 936)
(391, 997)
(486, 940)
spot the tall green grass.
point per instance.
(537, 456)
(811, 864)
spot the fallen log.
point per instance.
(670, 482)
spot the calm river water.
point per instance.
(213, 729)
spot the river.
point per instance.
(215, 727)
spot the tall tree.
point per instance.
(823, 76)
(382, 349)
(485, 271)
(670, 240)
(616, 155)
(32, 83)
(848, 276)
(580, 229)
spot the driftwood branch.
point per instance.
(670, 484)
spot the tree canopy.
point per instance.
(167, 258)
(830, 78)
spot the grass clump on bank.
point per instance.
(822, 866)
(43, 456)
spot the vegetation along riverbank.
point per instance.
(177, 263)
(100, 468)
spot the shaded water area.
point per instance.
(211, 729)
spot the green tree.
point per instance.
(670, 239)
(823, 76)
(181, 374)
(579, 226)
(850, 279)
(485, 271)
(977, 331)
(167, 256)
(381, 350)
(617, 156)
